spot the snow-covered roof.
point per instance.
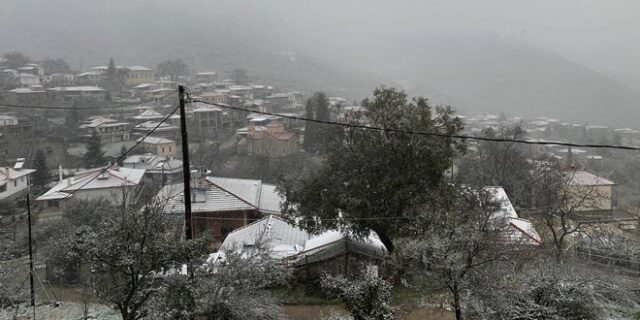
(138, 68)
(584, 178)
(224, 194)
(513, 229)
(97, 121)
(286, 240)
(272, 231)
(149, 115)
(159, 127)
(23, 90)
(90, 73)
(202, 107)
(78, 88)
(156, 140)
(99, 178)
(9, 174)
(207, 73)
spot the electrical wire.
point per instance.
(124, 155)
(422, 133)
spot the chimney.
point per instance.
(8, 173)
(60, 173)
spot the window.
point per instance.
(3, 188)
(15, 183)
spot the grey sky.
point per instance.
(601, 34)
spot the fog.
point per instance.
(495, 55)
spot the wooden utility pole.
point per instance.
(186, 171)
(33, 297)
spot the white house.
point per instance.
(92, 185)
(513, 229)
(13, 181)
(28, 80)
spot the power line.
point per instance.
(20, 106)
(422, 133)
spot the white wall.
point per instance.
(15, 186)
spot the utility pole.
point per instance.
(186, 171)
(33, 297)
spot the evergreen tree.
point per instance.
(111, 75)
(314, 134)
(310, 136)
(123, 152)
(94, 157)
(322, 106)
(41, 177)
(322, 113)
(368, 176)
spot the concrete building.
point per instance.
(160, 146)
(78, 93)
(109, 130)
(274, 142)
(157, 169)
(589, 192)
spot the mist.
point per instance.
(482, 56)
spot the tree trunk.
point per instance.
(456, 302)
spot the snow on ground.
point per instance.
(65, 311)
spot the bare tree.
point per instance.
(502, 164)
(458, 236)
(560, 201)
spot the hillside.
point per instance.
(475, 73)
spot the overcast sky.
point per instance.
(602, 34)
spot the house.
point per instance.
(159, 129)
(109, 130)
(274, 142)
(332, 251)
(88, 78)
(590, 192)
(160, 146)
(207, 77)
(78, 93)
(14, 181)
(136, 75)
(112, 184)
(207, 120)
(511, 228)
(213, 97)
(26, 96)
(148, 115)
(29, 80)
(32, 68)
(157, 169)
(60, 80)
(221, 205)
